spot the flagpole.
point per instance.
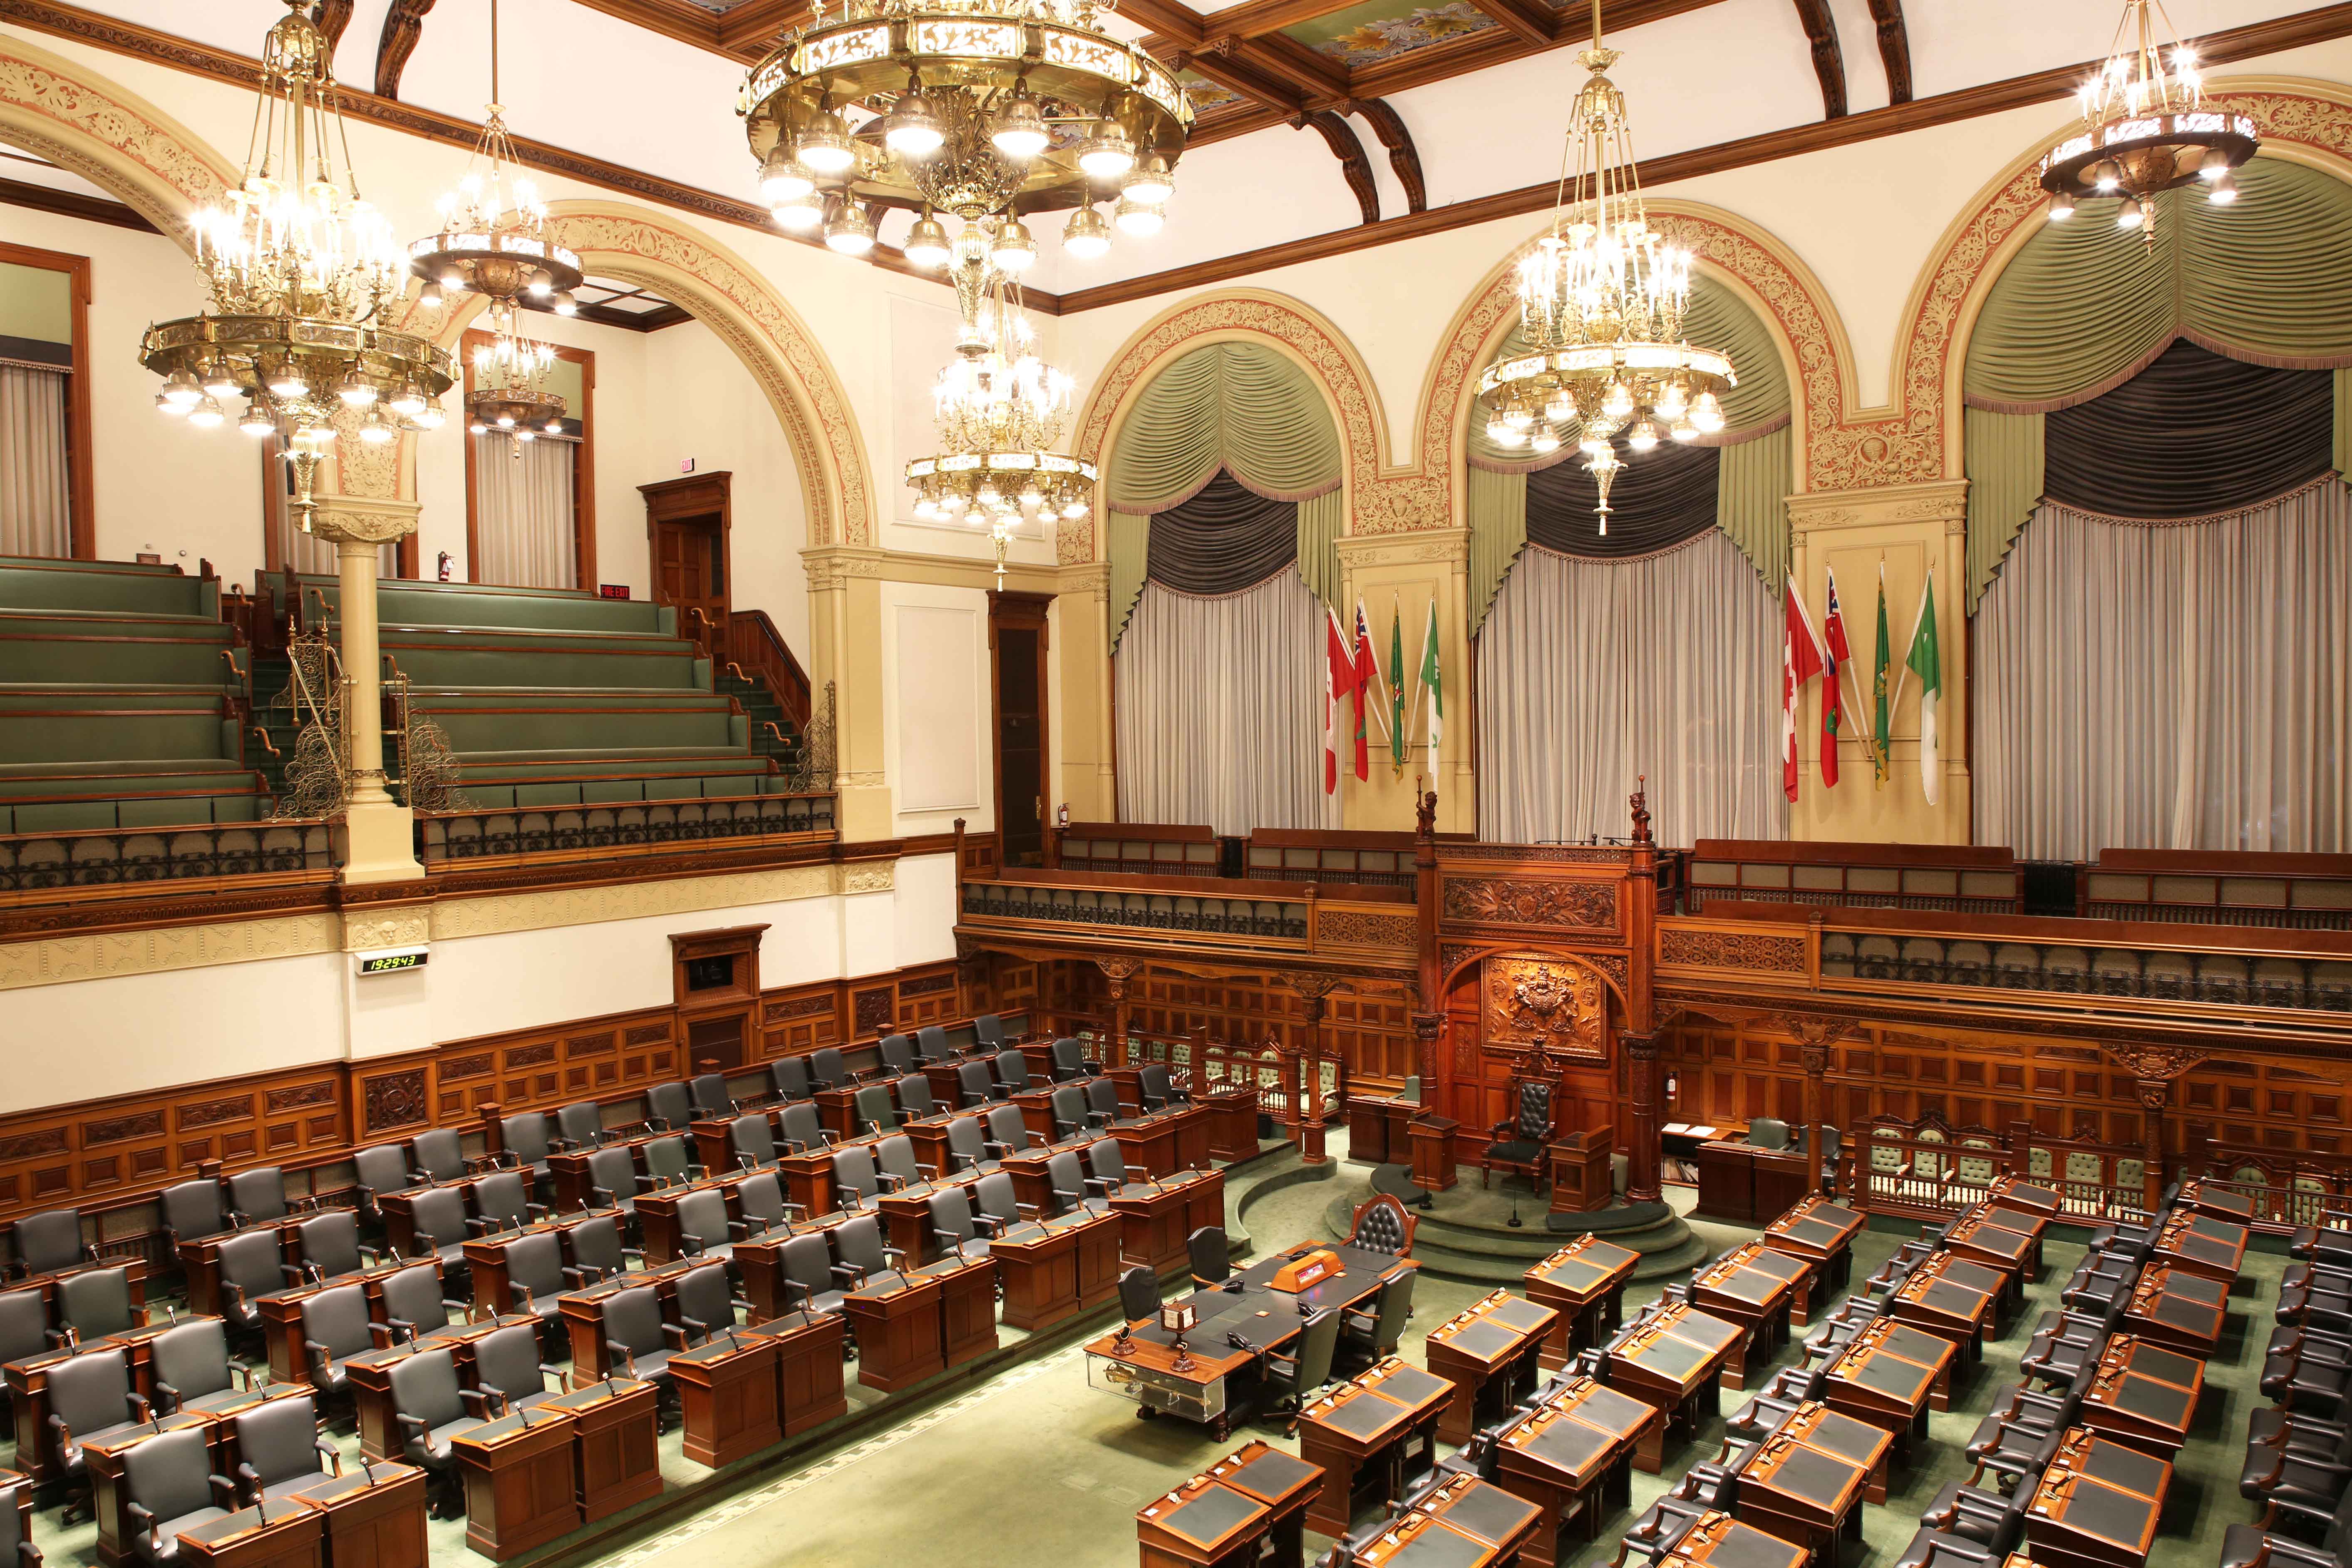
(1919, 615)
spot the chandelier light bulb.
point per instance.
(430, 417)
(2215, 166)
(2131, 214)
(1030, 495)
(1643, 437)
(1073, 509)
(1511, 438)
(1087, 237)
(849, 233)
(1519, 417)
(1020, 131)
(927, 243)
(165, 403)
(1495, 429)
(181, 389)
(205, 415)
(1706, 414)
(1139, 218)
(2223, 191)
(429, 297)
(911, 130)
(257, 420)
(408, 402)
(1545, 441)
(563, 305)
(541, 283)
(1108, 153)
(451, 280)
(801, 213)
(286, 383)
(784, 176)
(1674, 401)
(376, 432)
(1014, 251)
(1618, 402)
(987, 495)
(526, 435)
(219, 383)
(826, 146)
(1151, 184)
(1684, 430)
(479, 428)
(355, 392)
(506, 421)
(2106, 177)
(553, 427)
(2062, 207)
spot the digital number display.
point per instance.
(388, 963)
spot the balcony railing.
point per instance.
(2131, 972)
(631, 827)
(1217, 915)
(37, 867)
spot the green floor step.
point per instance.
(31, 584)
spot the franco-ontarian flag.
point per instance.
(1924, 661)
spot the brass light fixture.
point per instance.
(998, 407)
(2146, 129)
(493, 242)
(302, 271)
(1601, 303)
(979, 110)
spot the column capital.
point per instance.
(363, 520)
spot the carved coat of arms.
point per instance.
(1558, 1007)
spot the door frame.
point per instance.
(584, 468)
(673, 501)
(1009, 609)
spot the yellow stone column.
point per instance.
(1907, 527)
(1083, 749)
(379, 834)
(1400, 574)
(845, 627)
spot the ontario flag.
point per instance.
(1365, 674)
(1836, 658)
(1338, 683)
(1800, 660)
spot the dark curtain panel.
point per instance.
(1222, 540)
(2196, 432)
(1662, 496)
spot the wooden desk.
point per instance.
(1996, 1246)
(372, 1518)
(1821, 1232)
(1202, 1524)
(1371, 1436)
(1435, 1165)
(1232, 1120)
(657, 1228)
(568, 1170)
(1637, 1425)
(1673, 1362)
(1489, 1352)
(109, 1499)
(279, 1535)
(809, 1385)
(1565, 1466)
(1159, 1219)
(1756, 1298)
(836, 1110)
(1148, 1142)
(2097, 1506)
(400, 1213)
(2187, 1312)
(1737, 1180)
(1284, 1484)
(2216, 1202)
(727, 1390)
(615, 1462)
(1947, 1308)
(1584, 1282)
(1891, 1376)
(907, 1218)
(1038, 1264)
(1800, 1493)
(1817, 1425)
(583, 1314)
(2143, 1394)
(1376, 1129)
(1501, 1525)
(1718, 1541)
(369, 1375)
(2024, 1221)
(2200, 1244)
(898, 1329)
(485, 1256)
(281, 1318)
(2024, 1192)
(518, 1484)
(1583, 1179)
(967, 1306)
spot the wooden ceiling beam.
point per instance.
(1894, 48)
(1829, 65)
(1531, 20)
(403, 26)
(1318, 76)
(1173, 20)
(749, 30)
(1227, 71)
(671, 18)
(1403, 158)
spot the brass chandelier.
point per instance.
(998, 407)
(493, 242)
(1601, 305)
(300, 270)
(973, 108)
(2146, 129)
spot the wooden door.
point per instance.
(687, 522)
(1016, 628)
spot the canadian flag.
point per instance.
(1800, 660)
(1338, 681)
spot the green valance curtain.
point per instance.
(2085, 306)
(1242, 408)
(1752, 483)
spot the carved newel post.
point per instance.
(1115, 974)
(1640, 1035)
(1314, 990)
(379, 833)
(1642, 1075)
(2154, 1095)
(1816, 1054)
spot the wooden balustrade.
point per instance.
(758, 648)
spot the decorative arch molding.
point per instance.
(2300, 120)
(727, 294)
(1762, 272)
(108, 135)
(1381, 499)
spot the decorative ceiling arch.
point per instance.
(2307, 121)
(108, 135)
(1380, 500)
(727, 294)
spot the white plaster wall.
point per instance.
(160, 484)
(924, 913)
(935, 677)
(90, 1038)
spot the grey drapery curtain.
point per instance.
(1222, 540)
(1752, 488)
(2085, 306)
(1241, 408)
(523, 512)
(35, 462)
(1221, 708)
(2178, 686)
(1592, 672)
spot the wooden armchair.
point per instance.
(1519, 1142)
